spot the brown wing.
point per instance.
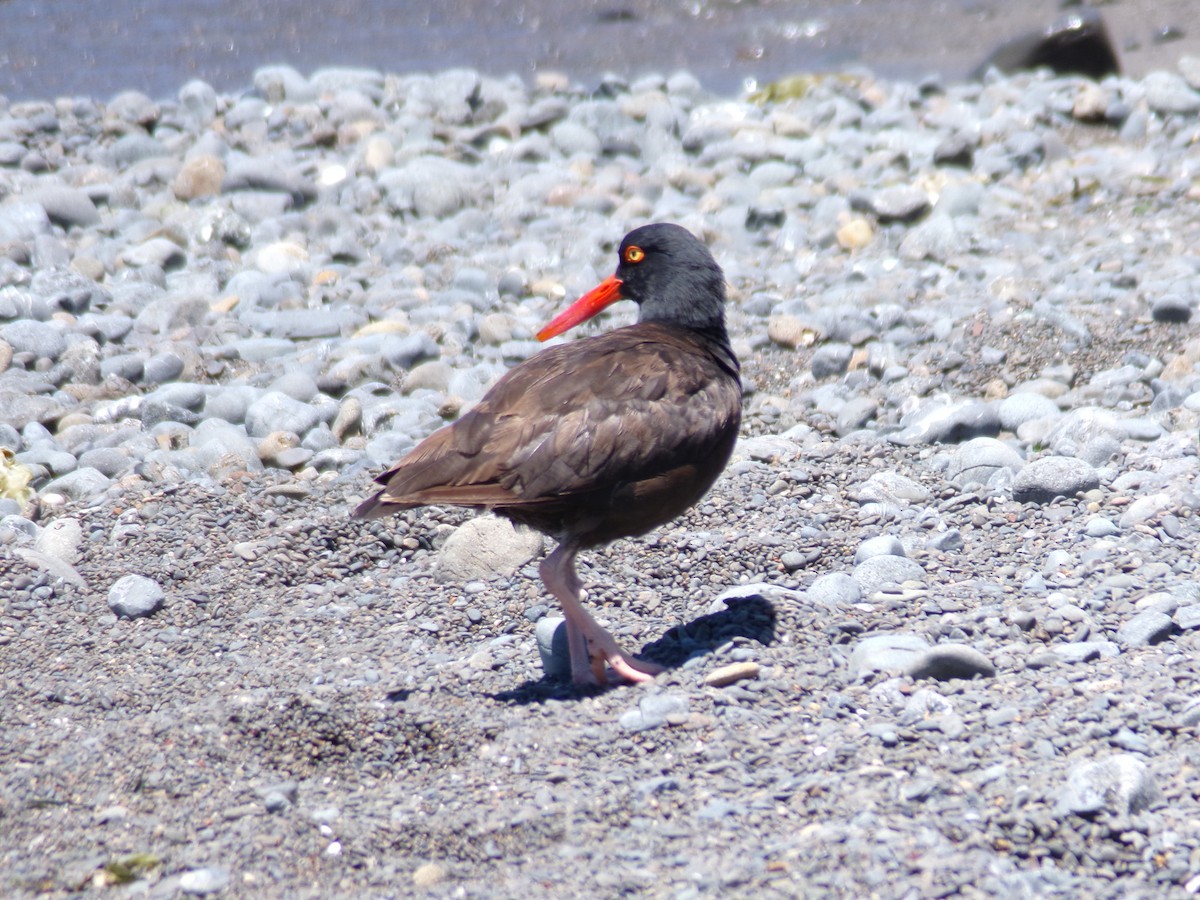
(580, 418)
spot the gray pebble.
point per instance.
(486, 547)
(551, 636)
(276, 411)
(882, 545)
(893, 653)
(874, 573)
(1045, 479)
(42, 339)
(1145, 628)
(1120, 784)
(209, 880)
(834, 590)
(134, 596)
(945, 661)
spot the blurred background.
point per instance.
(51, 48)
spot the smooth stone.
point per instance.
(1172, 308)
(162, 367)
(66, 206)
(1144, 509)
(654, 711)
(945, 661)
(1045, 479)
(485, 548)
(276, 411)
(1100, 527)
(873, 573)
(1085, 651)
(890, 487)
(834, 590)
(1187, 618)
(109, 461)
(1122, 784)
(1149, 627)
(551, 636)
(882, 545)
(82, 484)
(976, 461)
(734, 672)
(209, 880)
(296, 384)
(831, 360)
(891, 653)
(30, 336)
(941, 423)
(157, 251)
(61, 539)
(1017, 409)
(200, 176)
(134, 596)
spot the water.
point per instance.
(51, 48)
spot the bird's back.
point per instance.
(601, 438)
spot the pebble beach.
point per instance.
(933, 633)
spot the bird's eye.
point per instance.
(634, 254)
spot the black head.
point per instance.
(668, 273)
(672, 277)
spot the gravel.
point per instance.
(933, 632)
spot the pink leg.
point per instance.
(590, 644)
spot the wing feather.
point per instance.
(578, 418)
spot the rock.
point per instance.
(793, 332)
(61, 539)
(200, 176)
(209, 880)
(428, 875)
(872, 574)
(902, 203)
(41, 339)
(947, 423)
(66, 206)
(551, 635)
(158, 251)
(82, 484)
(976, 461)
(486, 547)
(834, 590)
(276, 411)
(1017, 409)
(893, 653)
(831, 360)
(1045, 479)
(890, 487)
(945, 661)
(1149, 627)
(727, 675)
(654, 711)
(1121, 784)
(882, 545)
(1077, 44)
(134, 596)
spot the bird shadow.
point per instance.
(752, 618)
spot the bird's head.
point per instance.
(667, 271)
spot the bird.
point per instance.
(601, 438)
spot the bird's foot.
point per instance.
(602, 649)
(631, 668)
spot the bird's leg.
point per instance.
(590, 644)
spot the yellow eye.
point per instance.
(634, 254)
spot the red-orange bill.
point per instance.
(604, 294)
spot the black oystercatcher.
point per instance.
(603, 438)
